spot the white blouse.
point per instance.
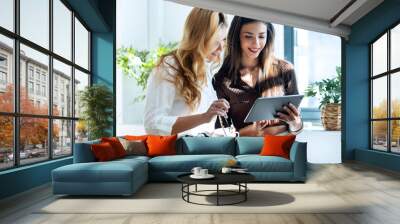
(164, 104)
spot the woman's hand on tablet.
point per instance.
(291, 117)
(265, 123)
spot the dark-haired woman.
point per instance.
(249, 71)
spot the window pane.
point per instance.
(395, 136)
(6, 142)
(316, 57)
(7, 14)
(81, 81)
(81, 131)
(395, 94)
(81, 45)
(33, 139)
(62, 137)
(35, 21)
(379, 135)
(395, 47)
(279, 41)
(62, 89)
(62, 29)
(379, 55)
(34, 72)
(379, 98)
(6, 74)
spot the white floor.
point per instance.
(322, 146)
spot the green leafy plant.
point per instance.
(327, 90)
(138, 64)
(96, 102)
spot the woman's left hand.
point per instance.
(292, 118)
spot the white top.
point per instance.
(164, 104)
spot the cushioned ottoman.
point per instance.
(118, 177)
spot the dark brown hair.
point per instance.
(232, 62)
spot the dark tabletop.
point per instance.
(220, 178)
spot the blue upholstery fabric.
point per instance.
(184, 163)
(123, 176)
(129, 158)
(249, 145)
(257, 163)
(126, 175)
(298, 155)
(83, 152)
(94, 172)
(207, 145)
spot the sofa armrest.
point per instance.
(83, 152)
(298, 155)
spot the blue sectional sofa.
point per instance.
(125, 176)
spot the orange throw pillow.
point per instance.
(277, 145)
(136, 137)
(116, 145)
(161, 145)
(103, 152)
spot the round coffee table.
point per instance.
(238, 179)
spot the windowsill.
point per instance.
(313, 126)
(25, 167)
(382, 159)
(380, 152)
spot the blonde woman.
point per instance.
(180, 97)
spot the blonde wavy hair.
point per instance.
(200, 30)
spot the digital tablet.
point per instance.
(265, 108)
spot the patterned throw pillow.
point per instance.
(134, 147)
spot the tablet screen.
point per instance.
(265, 108)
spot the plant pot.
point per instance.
(331, 116)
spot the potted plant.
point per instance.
(138, 64)
(96, 102)
(329, 93)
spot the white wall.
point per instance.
(142, 25)
(316, 56)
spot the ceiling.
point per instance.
(326, 16)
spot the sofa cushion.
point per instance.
(83, 152)
(161, 145)
(131, 158)
(257, 163)
(249, 145)
(103, 152)
(136, 137)
(134, 147)
(185, 163)
(116, 145)
(111, 171)
(206, 145)
(277, 145)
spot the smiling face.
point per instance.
(216, 45)
(253, 37)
